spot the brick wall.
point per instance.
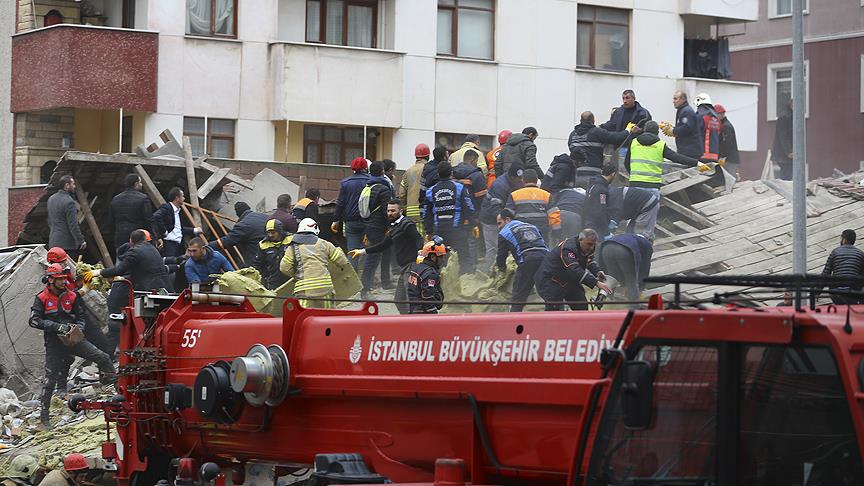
(39, 137)
(30, 19)
(21, 201)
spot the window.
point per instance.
(52, 18)
(466, 28)
(783, 8)
(212, 136)
(780, 88)
(128, 21)
(453, 141)
(342, 22)
(603, 38)
(333, 145)
(217, 18)
(126, 135)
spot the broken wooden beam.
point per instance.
(212, 182)
(190, 179)
(686, 212)
(94, 228)
(149, 186)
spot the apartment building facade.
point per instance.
(761, 52)
(323, 81)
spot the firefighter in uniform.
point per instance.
(410, 187)
(566, 268)
(73, 473)
(307, 260)
(423, 286)
(272, 250)
(59, 313)
(22, 471)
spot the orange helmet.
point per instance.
(55, 270)
(75, 462)
(147, 236)
(433, 247)
(57, 255)
(421, 150)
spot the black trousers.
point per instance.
(400, 294)
(554, 295)
(58, 359)
(523, 282)
(457, 238)
(93, 333)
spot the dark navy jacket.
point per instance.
(496, 198)
(639, 246)
(446, 205)
(630, 202)
(571, 199)
(522, 240)
(347, 203)
(688, 140)
(618, 121)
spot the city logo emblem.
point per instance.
(355, 351)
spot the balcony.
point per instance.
(721, 12)
(336, 84)
(77, 66)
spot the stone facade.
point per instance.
(39, 137)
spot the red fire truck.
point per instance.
(210, 390)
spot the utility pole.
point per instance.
(799, 157)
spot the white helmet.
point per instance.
(308, 225)
(703, 99)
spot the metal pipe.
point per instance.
(202, 298)
(799, 147)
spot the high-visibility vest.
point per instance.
(646, 162)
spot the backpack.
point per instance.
(363, 203)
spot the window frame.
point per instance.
(861, 78)
(454, 29)
(213, 32)
(322, 22)
(208, 136)
(343, 145)
(771, 89)
(593, 23)
(772, 9)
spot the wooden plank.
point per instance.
(787, 194)
(149, 186)
(94, 228)
(190, 179)
(686, 212)
(683, 184)
(211, 182)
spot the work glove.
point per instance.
(88, 275)
(334, 227)
(630, 126)
(357, 253)
(722, 161)
(666, 128)
(197, 231)
(702, 167)
(475, 232)
(613, 225)
(601, 276)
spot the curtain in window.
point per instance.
(360, 26)
(225, 17)
(334, 22)
(198, 17)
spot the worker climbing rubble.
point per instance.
(59, 313)
(566, 269)
(525, 243)
(307, 260)
(423, 286)
(271, 251)
(448, 211)
(74, 470)
(627, 257)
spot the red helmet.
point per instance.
(55, 270)
(421, 150)
(57, 255)
(503, 135)
(75, 462)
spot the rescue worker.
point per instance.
(598, 213)
(627, 257)
(526, 244)
(74, 470)
(347, 206)
(308, 206)
(469, 175)
(630, 111)
(493, 155)
(645, 161)
(846, 260)
(307, 260)
(203, 262)
(710, 128)
(781, 149)
(496, 198)
(130, 210)
(246, 233)
(405, 240)
(637, 205)
(410, 186)
(168, 224)
(571, 206)
(271, 250)
(373, 208)
(728, 143)
(566, 269)
(471, 144)
(520, 149)
(446, 208)
(561, 174)
(141, 263)
(23, 471)
(586, 144)
(686, 130)
(284, 214)
(64, 231)
(423, 286)
(430, 170)
(530, 204)
(59, 313)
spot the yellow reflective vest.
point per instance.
(307, 263)
(646, 162)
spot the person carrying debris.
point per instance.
(423, 286)
(24, 470)
(525, 243)
(246, 233)
(141, 263)
(566, 269)
(307, 260)
(645, 160)
(637, 205)
(284, 214)
(64, 231)
(348, 206)
(496, 197)
(270, 254)
(130, 210)
(373, 208)
(405, 240)
(308, 206)
(446, 209)
(59, 313)
(203, 262)
(627, 257)
(74, 470)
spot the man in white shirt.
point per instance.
(169, 225)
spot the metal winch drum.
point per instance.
(262, 375)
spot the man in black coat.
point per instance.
(566, 268)
(64, 231)
(586, 143)
(271, 250)
(247, 232)
(130, 210)
(141, 263)
(405, 241)
(519, 149)
(688, 139)
(847, 261)
(429, 177)
(168, 223)
(781, 152)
